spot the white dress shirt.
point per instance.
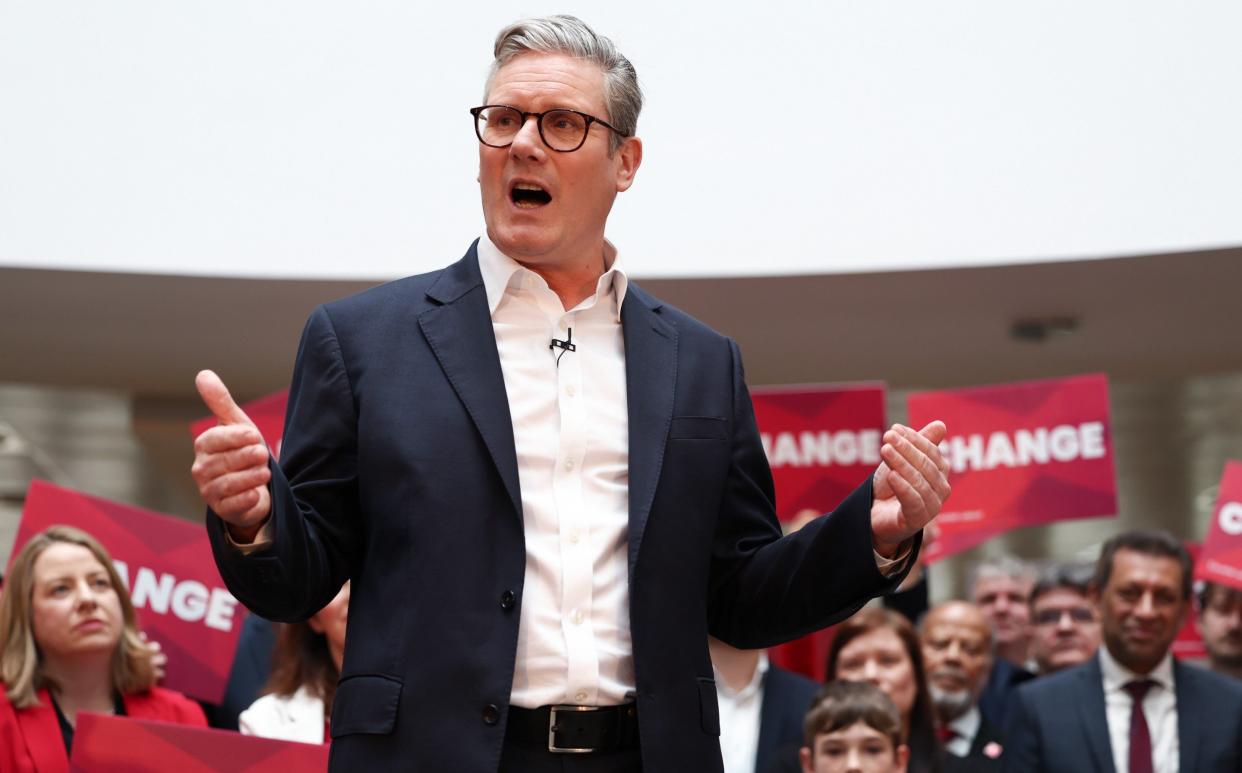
(740, 714)
(964, 728)
(1159, 707)
(571, 434)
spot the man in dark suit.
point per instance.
(761, 707)
(956, 640)
(1132, 708)
(546, 485)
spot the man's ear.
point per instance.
(808, 762)
(629, 158)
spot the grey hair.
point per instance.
(570, 35)
(1002, 566)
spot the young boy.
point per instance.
(853, 727)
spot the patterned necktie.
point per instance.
(1140, 736)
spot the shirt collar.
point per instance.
(500, 272)
(1117, 676)
(967, 725)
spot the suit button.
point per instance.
(507, 600)
(491, 714)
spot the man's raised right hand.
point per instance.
(231, 463)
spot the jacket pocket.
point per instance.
(709, 710)
(697, 428)
(365, 704)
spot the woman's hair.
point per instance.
(21, 661)
(924, 748)
(839, 705)
(301, 658)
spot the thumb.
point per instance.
(934, 431)
(216, 395)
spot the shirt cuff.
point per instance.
(263, 539)
(887, 566)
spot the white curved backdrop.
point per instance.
(306, 138)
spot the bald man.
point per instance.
(957, 652)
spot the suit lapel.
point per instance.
(650, 380)
(1094, 715)
(41, 731)
(459, 330)
(1188, 720)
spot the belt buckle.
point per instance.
(552, 747)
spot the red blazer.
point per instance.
(30, 740)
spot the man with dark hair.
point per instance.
(1220, 625)
(1065, 629)
(1132, 708)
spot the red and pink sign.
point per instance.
(821, 442)
(1221, 558)
(167, 564)
(267, 413)
(104, 744)
(1020, 455)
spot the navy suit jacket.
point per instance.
(1058, 723)
(786, 698)
(398, 470)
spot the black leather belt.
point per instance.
(574, 729)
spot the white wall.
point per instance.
(330, 139)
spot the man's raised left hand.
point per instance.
(910, 485)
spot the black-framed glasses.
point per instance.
(561, 130)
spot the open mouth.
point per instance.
(529, 195)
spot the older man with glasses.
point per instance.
(546, 484)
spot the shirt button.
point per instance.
(574, 537)
(569, 465)
(507, 600)
(580, 696)
(575, 617)
(491, 714)
(569, 390)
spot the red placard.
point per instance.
(821, 442)
(167, 564)
(1221, 558)
(267, 413)
(1021, 454)
(104, 744)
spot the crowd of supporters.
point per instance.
(1031, 670)
(1062, 667)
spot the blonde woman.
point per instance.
(71, 644)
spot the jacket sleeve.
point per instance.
(315, 522)
(766, 589)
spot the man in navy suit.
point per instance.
(1132, 708)
(546, 485)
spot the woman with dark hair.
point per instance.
(69, 643)
(881, 647)
(306, 664)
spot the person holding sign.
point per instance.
(546, 484)
(71, 644)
